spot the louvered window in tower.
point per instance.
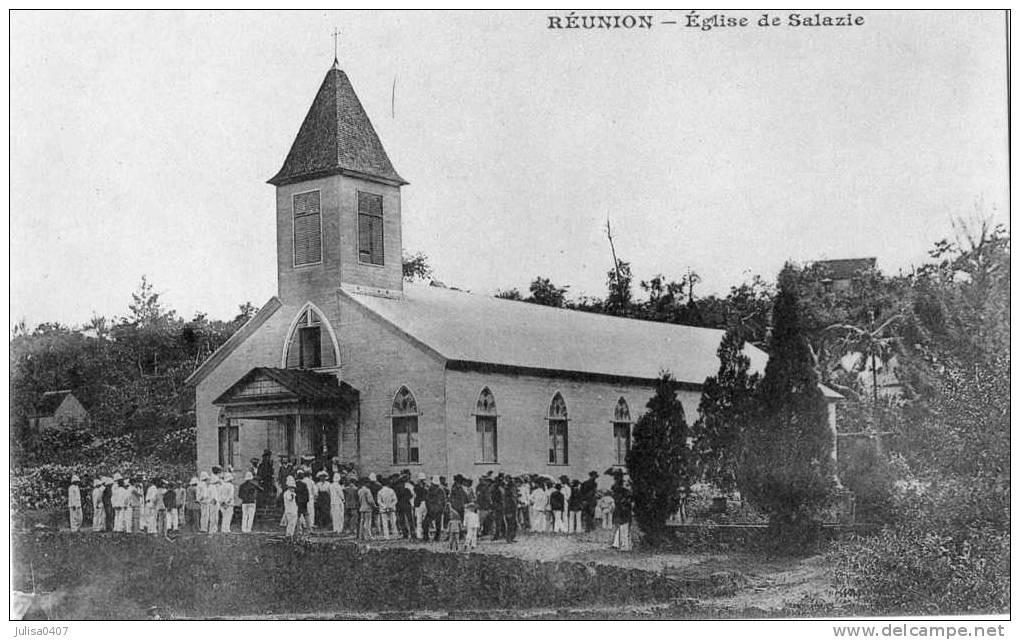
(307, 228)
(370, 228)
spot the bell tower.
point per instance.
(337, 202)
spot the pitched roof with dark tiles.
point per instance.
(49, 403)
(336, 137)
(310, 386)
(846, 268)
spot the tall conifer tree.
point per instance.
(788, 468)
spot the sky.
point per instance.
(141, 144)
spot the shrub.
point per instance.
(906, 571)
(658, 462)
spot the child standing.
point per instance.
(471, 525)
(606, 505)
(453, 527)
(74, 502)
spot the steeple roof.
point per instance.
(336, 137)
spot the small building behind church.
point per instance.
(349, 360)
(57, 408)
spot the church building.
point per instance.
(351, 361)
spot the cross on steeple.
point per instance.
(336, 45)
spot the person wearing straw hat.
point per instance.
(207, 498)
(435, 505)
(351, 504)
(309, 482)
(387, 501)
(420, 507)
(228, 496)
(192, 508)
(249, 493)
(302, 496)
(121, 500)
(152, 496)
(323, 507)
(98, 512)
(74, 502)
(290, 507)
(336, 503)
(366, 506)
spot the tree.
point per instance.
(509, 294)
(788, 468)
(659, 462)
(416, 267)
(544, 292)
(726, 410)
(619, 301)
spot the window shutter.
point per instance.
(377, 241)
(370, 228)
(307, 228)
(365, 238)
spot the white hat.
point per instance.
(291, 482)
(421, 475)
(203, 476)
(194, 480)
(248, 476)
(227, 477)
(117, 477)
(371, 477)
(435, 479)
(98, 482)
(214, 479)
(75, 478)
(337, 477)
(107, 480)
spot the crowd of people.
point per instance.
(320, 497)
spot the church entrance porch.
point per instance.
(295, 413)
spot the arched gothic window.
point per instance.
(485, 425)
(310, 345)
(405, 427)
(558, 445)
(621, 430)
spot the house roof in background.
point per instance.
(50, 402)
(336, 137)
(846, 268)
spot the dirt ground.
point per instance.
(750, 581)
(758, 582)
